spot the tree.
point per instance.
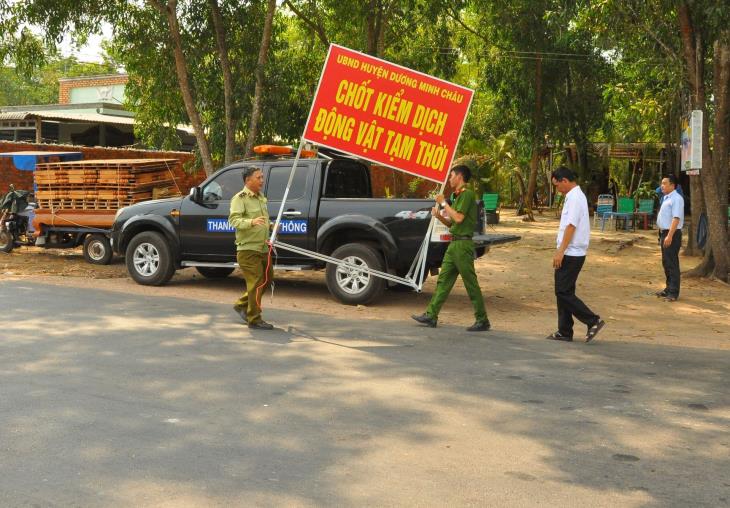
(188, 62)
(540, 69)
(222, 45)
(169, 11)
(260, 67)
(692, 36)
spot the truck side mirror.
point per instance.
(195, 194)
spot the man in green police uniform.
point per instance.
(459, 258)
(250, 218)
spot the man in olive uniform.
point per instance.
(250, 218)
(459, 258)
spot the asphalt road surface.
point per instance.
(109, 399)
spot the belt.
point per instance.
(458, 237)
(662, 231)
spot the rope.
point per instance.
(266, 277)
(53, 220)
(276, 264)
(173, 177)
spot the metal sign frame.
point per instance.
(417, 271)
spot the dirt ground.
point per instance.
(617, 283)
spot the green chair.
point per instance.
(625, 212)
(490, 201)
(645, 211)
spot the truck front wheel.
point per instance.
(149, 259)
(350, 285)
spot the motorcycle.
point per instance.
(16, 218)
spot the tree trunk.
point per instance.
(222, 45)
(715, 183)
(714, 164)
(169, 11)
(698, 206)
(536, 140)
(523, 192)
(374, 19)
(260, 66)
(380, 50)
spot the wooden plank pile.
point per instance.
(103, 184)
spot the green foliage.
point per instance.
(492, 163)
(611, 70)
(645, 191)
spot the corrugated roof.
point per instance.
(15, 115)
(77, 117)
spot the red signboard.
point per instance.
(387, 114)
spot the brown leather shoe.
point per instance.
(594, 329)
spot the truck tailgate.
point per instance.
(490, 239)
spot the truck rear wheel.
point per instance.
(97, 249)
(6, 241)
(214, 272)
(149, 259)
(352, 286)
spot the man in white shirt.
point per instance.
(572, 245)
(670, 221)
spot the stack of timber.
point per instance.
(103, 184)
(88, 193)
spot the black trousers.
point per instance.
(670, 261)
(569, 305)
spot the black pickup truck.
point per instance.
(329, 210)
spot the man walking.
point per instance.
(459, 258)
(670, 221)
(572, 246)
(250, 218)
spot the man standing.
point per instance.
(670, 221)
(250, 218)
(573, 237)
(459, 258)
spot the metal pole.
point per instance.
(340, 262)
(286, 192)
(421, 272)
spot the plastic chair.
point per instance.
(604, 209)
(645, 211)
(491, 207)
(625, 212)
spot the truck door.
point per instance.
(205, 234)
(299, 218)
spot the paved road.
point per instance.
(115, 400)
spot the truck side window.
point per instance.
(224, 186)
(347, 179)
(278, 178)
